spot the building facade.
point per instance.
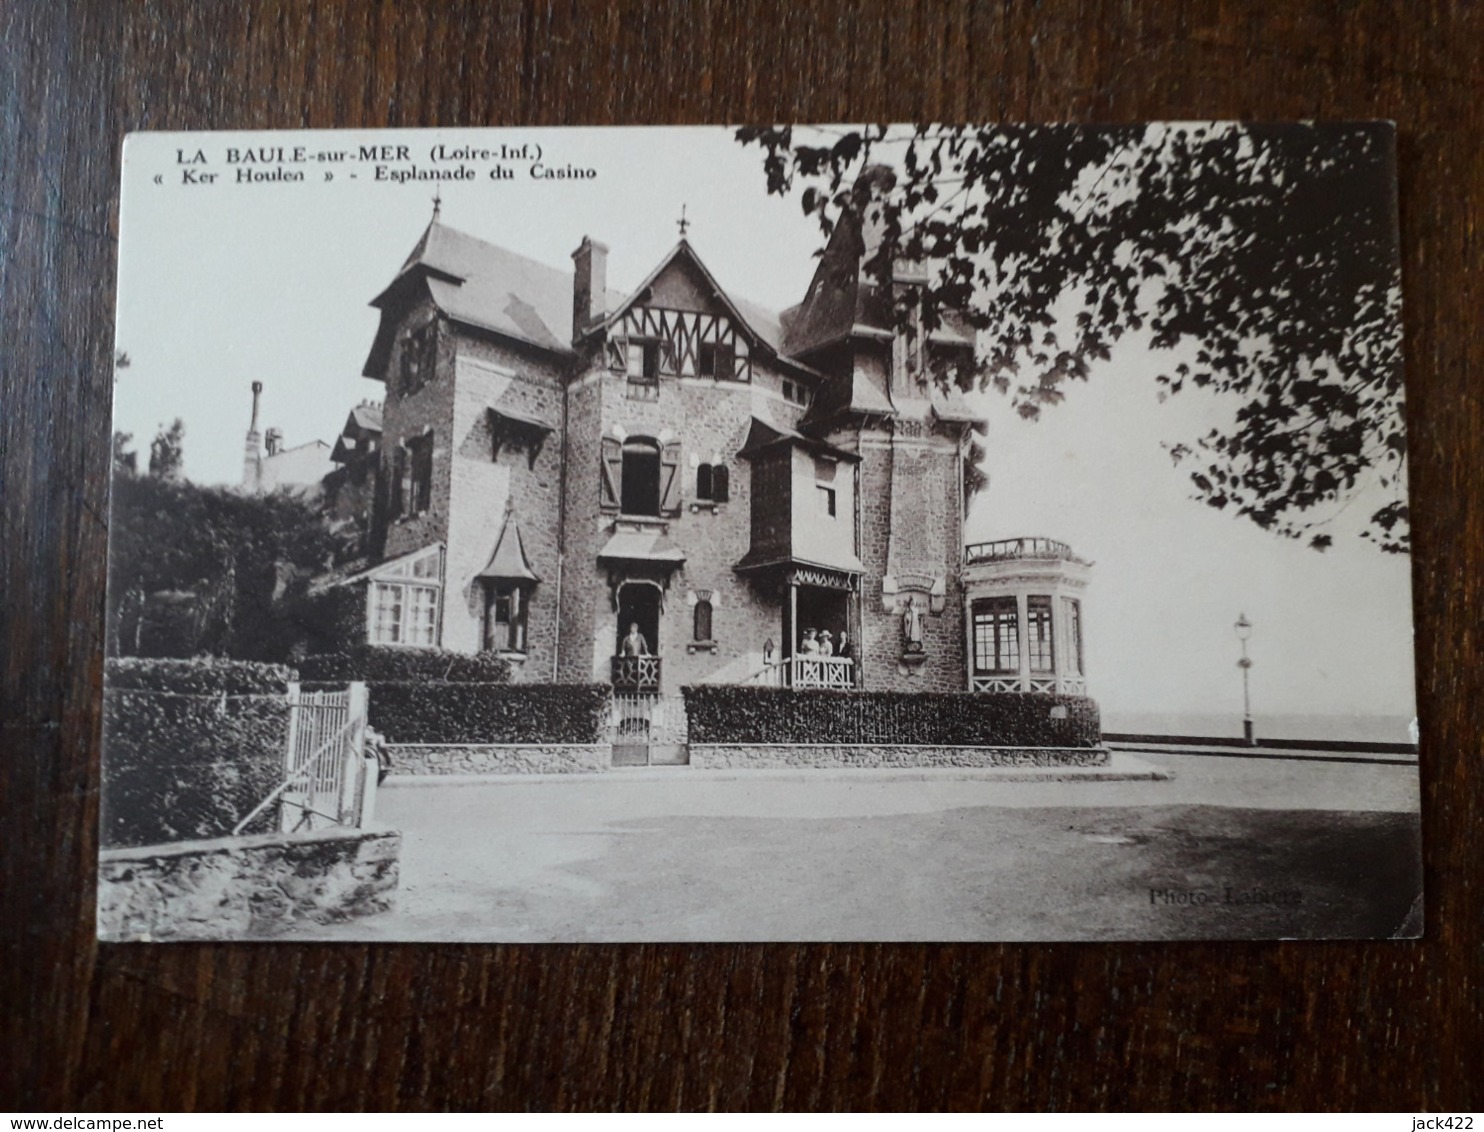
(672, 486)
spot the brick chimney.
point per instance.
(589, 285)
(252, 457)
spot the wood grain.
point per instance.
(1315, 1025)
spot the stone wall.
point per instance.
(710, 420)
(719, 756)
(526, 382)
(407, 414)
(245, 887)
(499, 758)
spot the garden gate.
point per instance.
(648, 730)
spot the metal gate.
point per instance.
(648, 730)
(326, 779)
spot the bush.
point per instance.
(720, 713)
(189, 747)
(198, 676)
(377, 663)
(488, 713)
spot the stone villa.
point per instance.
(556, 462)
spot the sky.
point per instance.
(224, 283)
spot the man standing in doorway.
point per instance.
(634, 644)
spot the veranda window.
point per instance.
(996, 624)
(404, 614)
(1038, 631)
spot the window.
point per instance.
(404, 614)
(701, 626)
(712, 484)
(1072, 617)
(796, 392)
(399, 482)
(1038, 633)
(826, 500)
(996, 623)
(505, 618)
(419, 492)
(639, 477)
(419, 353)
(643, 368)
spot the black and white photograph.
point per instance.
(854, 532)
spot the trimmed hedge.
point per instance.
(189, 747)
(490, 713)
(721, 713)
(376, 663)
(198, 676)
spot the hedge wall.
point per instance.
(486, 713)
(374, 663)
(720, 713)
(189, 747)
(197, 676)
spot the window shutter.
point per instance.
(670, 479)
(703, 482)
(612, 474)
(719, 484)
(618, 353)
(669, 364)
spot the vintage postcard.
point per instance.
(798, 533)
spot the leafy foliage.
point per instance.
(426, 712)
(389, 663)
(722, 713)
(1262, 259)
(189, 747)
(196, 570)
(166, 451)
(198, 676)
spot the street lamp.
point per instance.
(1244, 632)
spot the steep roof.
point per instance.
(483, 285)
(764, 325)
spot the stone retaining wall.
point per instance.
(719, 756)
(499, 758)
(243, 887)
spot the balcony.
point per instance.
(1011, 549)
(636, 674)
(836, 672)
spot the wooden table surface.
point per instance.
(1262, 1025)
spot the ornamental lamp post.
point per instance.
(1244, 633)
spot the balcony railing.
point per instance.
(636, 674)
(836, 672)
(1006, 549)
(1050, 685)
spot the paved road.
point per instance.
(1227, 848)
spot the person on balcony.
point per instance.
(810, 645)
(843, 648)
(634, 644)
(826, 645)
